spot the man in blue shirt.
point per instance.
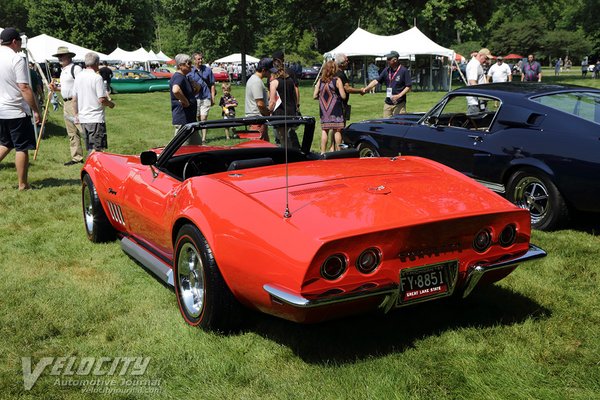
(205, 99)
(532, 70)
(397, 79)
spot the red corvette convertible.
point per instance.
(302, 236)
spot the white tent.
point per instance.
(43, 46)
(139, 55)
(237, 58)
(415, 42)
(363, 43)
(410, 42)
(162, 56)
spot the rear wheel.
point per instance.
(367, 150)
(203, 296)
(533, 190)
(97, 225)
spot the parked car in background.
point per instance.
(220, 74)
(537, 144)
(137, 81)
(162, 72)
(309, 73)
(260, 226)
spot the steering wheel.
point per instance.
(466, 123)
(190, 169)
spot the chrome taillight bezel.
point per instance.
(373, 252)
(508, 235)
(482, 245)
(338, 271)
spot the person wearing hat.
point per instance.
(397, 78)
(532, 70)
(67, 78)
(257, 99)
(499, 72)
(16, 128)
(476, 76)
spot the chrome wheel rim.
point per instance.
(531, 194)
(88, 210)
(367, 152)
(190, 275)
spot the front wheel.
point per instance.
(533, 190)
(366, 149)
(97, 225)
(203, 296)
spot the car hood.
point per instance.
(333, 197)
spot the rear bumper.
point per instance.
(477, 272)
(284, 296)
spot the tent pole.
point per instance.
(430, 73)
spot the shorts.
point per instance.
(203, 107)
(95, 136)
(17, 134)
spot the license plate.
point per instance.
(424, 283)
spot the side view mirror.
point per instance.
(148, 158)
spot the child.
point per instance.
(228, 104)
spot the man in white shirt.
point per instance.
(16, 102)
(475, 76)
(67, 77)
(89, 100)
(257, 99)
(499, 72)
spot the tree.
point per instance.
(14, 15)
(99, 24)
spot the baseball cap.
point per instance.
(8, 35)
(392, 54)
(485, 52)
(265, 63)
(278, 55)
(499, 58)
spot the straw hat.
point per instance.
(63, 50)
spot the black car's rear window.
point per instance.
(584, 105)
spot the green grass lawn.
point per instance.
(535, 335)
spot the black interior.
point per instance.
(479, 121)
(212, 162)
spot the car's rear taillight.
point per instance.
(334, 266)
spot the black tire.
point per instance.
(97, 225)
(534, 191)
(203, 297)
(366, 149)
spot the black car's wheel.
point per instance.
(367, 150)
(534, 191)
(202, 294)
(97, 226)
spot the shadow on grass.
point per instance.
(55, 182)
(364, 336)
(52, 129)
(586, 222)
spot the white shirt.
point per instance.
(13, 70)
(67, 80)
(255, 89)
(88, 89)
(499, 72)
(474, 73)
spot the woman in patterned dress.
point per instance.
(329, 90)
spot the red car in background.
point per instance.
(220, 74)
(298, 235)
(162, 73)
